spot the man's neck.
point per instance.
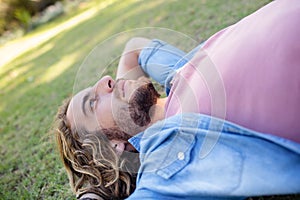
(157, 111)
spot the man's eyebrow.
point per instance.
(85, 98)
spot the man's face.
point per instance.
(124, 104)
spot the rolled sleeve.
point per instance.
(159, 59)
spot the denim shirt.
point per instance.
(161, 61)
(195, 156)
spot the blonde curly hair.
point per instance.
(91, 163)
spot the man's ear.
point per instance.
(118, 145)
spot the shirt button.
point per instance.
(180, 155)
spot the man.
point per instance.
(228, 128)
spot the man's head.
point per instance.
(92, 133)
(123, 104)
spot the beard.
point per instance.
(141, 102)
(132, 116)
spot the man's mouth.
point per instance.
(123, 88)
(120, 86)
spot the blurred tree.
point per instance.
(24, 17)
(15, 13)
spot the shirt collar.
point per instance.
(136, 140)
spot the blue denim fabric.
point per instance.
(160, 61)
(242, 162)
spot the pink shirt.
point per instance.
(248, 73)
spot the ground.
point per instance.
(38, 71)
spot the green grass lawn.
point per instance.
(33, 85)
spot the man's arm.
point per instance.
(128, 66)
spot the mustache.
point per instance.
(142, 81)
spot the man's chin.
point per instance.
(141, 102)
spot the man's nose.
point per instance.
(104, 85)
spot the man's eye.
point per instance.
(92, 104)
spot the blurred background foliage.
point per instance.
(25, 15)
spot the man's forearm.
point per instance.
(128, 65)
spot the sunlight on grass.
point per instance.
(15, 48)
(12, 74)
(55, 70)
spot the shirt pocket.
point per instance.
(218, 172)
(177, 156)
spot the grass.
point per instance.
(33, 84)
